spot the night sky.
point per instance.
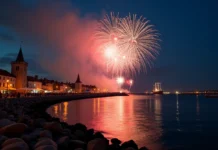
(188, 29)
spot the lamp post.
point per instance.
(7, 86)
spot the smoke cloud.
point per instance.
(64, 42)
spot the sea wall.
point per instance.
(24, 124)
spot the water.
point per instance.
(157, 122)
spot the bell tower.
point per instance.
(78, 85)
(19, 70)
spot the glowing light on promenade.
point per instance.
(130, 43)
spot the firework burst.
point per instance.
(129, 43)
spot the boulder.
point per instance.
(130, 148)
(3, 114)
(80, 126)
(45, 141)
(80, 134)
(66, 132)
(63, 142)
(2, 139)
(5, 122)
(46, 147)
(115, 141)
(128, 144)
(98, 135)
(39, 122)
(73, 144)
(15, 129)
(14, 144)
(53, 127)
(144, 148)
(11, 117)
(89, 134)
(46, 133)
(97, 144)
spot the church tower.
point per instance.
(19, 70)
(78, 85)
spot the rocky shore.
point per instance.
(25, 125)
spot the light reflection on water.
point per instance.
(151, 121)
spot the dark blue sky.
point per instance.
(188, 28)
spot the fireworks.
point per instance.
(120, 80)
(129, 44)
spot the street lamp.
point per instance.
(7, 85)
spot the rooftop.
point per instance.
(78, 79)
(20, 56)
(6, 73)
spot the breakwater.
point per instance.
(24, 124)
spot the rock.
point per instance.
(53, 127)
(98, 135)
(73, 144)
(24, 119)
(3, 114)
(80, 134)
(28, 138)
(130, 148)
(46, 133)
(128, 144)
(36, 132)
(63, 142)
(97, 144)
(14, 129)
(2, 139)
(66, 132)
(80, 126)
(144, 148)
(39, 122)
(5, 122)
(11, 117)
(89, 134)
(12, 140)
(46, 147)
(115, 141)
(14, 144)
(45, 141)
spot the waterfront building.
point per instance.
(19, 70)
(7, 81)
(34, 84)
(18, 81)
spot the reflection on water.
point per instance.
(133, 117)
(157, 122)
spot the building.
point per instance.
(78, 85)
(34, 84)
(89, 88)
(7, 81)
(18, 81)
(19, 70)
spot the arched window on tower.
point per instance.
(17, 68)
